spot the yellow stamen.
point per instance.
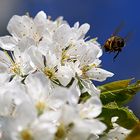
(66, 56)
(40, 106)
(26, 135)
(61, 132)
(15, 68)
(50, 73)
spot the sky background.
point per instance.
(103, 16)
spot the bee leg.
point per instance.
(116, 55)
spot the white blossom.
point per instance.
(78, 122)
(45, 68)
(14, 64)
(46, 97)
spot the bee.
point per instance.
(115, 43)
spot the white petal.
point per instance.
(97, 62)
(45, 45)
(43, 129)
(60, 93)
(83, 30)
(14, 104)
(98, 74)
(95, 43)
(38, 86)
(90, 53)
(3, 68)
(52, 60)
(76, 25)
(62, 35)
(4, 59)
(40, 18)
(99, 127)
(91, 108)
(90, 88)
(69, 113)
(23, 59)
(36, 57)
(4, 78)
(20, 26)
(64, 75)
(50, 116)
(7, 43)
(60, 96)
(83, 129)
(25, 43)
(74, 93)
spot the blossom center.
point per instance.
(85, 69)
(40, 106)
(15, 68)
(65, 56)
(37, 37)
(26, 134)
(61, 132)
(50, 73)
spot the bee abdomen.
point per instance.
(108, 45)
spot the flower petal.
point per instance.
(92, 107)
(98, 74)
(62, 35)
(40, 18)
(83, 30)
(20, 26)
(7, 43)
(64, 75)
(36, 57)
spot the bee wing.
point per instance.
(118, 29)
(128, 36)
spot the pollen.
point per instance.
(15, 68)
(26, 135)
(61, 132)
(50, 73)
(40, 106)
(84, 70)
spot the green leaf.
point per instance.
(115, 85)
(135, 134)
(126, 118)
(120, 92)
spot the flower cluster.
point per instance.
(45, 68)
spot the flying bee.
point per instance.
(116, 43)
